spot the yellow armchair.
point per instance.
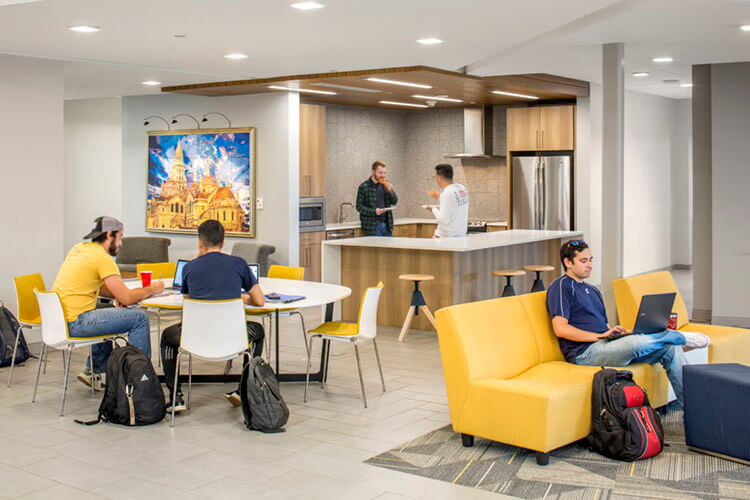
(507, 379)
(728, 344)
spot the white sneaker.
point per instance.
(695, 340)
(100, 382)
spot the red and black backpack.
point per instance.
(625, 427)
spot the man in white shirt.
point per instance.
(453, 214)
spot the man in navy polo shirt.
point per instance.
(579, 320)
(213, 275)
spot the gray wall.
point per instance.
(411, 143)
(31, 173)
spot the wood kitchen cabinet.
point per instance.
(312, 150)
(311, 254)
(405, 231)
(542, 128)
(493, 229)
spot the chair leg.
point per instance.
(91, 357)
(407, 323)
(542, 458)
(65, 380)
(359, 368)
(325, 362)
(429, 315)
(38, 369)
(46, 359)
(190, 378)
(13, 358)
(174, 387)
(304, 330)
(380, 368)
(158, 329)
(307, 370)
(467, 440)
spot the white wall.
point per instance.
(730, 123)
(682, 185)
(276, 119)
(93, 156)
(31, 171)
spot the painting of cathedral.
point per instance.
(196, 175)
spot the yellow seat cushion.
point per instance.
(728, 344)
(337, 328)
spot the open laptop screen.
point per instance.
(255, 270)
(177, 283)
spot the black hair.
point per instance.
(570, 249)
(445, 171)
(103, 236)
(211, 233)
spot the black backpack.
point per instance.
(262, 405)
(134, 395)
(625, 427)
(9, 328)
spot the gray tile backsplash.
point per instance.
(410, 143)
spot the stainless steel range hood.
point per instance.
(478, 141)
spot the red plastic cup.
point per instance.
(145, 278)
(672, 325)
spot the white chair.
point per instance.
(365, 329)
(213, 330)
(55, 334)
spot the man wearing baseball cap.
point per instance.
(88, 270)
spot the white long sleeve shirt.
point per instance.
(453, 214)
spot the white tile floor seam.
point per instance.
(209, 453)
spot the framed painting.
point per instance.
(196, 175)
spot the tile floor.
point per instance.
(209, 453)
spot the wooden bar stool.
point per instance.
(417, 302)
(508, 274)
(538, 285)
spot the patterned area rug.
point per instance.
(573, 471)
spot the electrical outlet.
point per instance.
(259, 203)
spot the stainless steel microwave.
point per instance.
(312, 214)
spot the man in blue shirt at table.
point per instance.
(579, 321)
(212, 275)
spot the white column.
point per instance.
(613, 99)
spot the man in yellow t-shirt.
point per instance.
(89, 269)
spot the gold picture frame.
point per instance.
(199, 174)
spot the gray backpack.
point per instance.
(262, 405)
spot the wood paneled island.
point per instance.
(462, 268)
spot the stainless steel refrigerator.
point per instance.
(542, 190)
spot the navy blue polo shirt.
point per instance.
(216, 276)
(582, 305)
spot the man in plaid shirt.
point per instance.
(373, 197)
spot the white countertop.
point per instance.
(396, 222)
(474, 241)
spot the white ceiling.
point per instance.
(137, 40)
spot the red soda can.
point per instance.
(672, 325)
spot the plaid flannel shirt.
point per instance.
(367, 203)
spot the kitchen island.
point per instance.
(462, 268)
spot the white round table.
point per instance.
(316, 294)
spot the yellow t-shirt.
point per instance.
(81, 276)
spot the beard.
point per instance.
(113, 249)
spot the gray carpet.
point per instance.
(573, 471)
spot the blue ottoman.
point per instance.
(717, 410)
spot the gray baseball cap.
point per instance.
(102, 225)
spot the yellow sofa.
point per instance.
(508, 381)
(728, 344)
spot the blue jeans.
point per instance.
(381, 228)
(664, 348)
(111, 321)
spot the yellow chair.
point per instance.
(27, 307)
(286, 273)
(507, 379)
(365, 329)
(159, 270)
(728, 344)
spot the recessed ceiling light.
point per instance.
(85, 28)
(685, 85)
(671, 81)
(236, 56)
(640, 74)
(513, 94)
(179, 35)
(307, 5)
(745, 27)
(408, 104)
(346, 87)
(151, 82)
(662, 59)
(435, 98)
(430, 41)
(397, 82)
(311, 91)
